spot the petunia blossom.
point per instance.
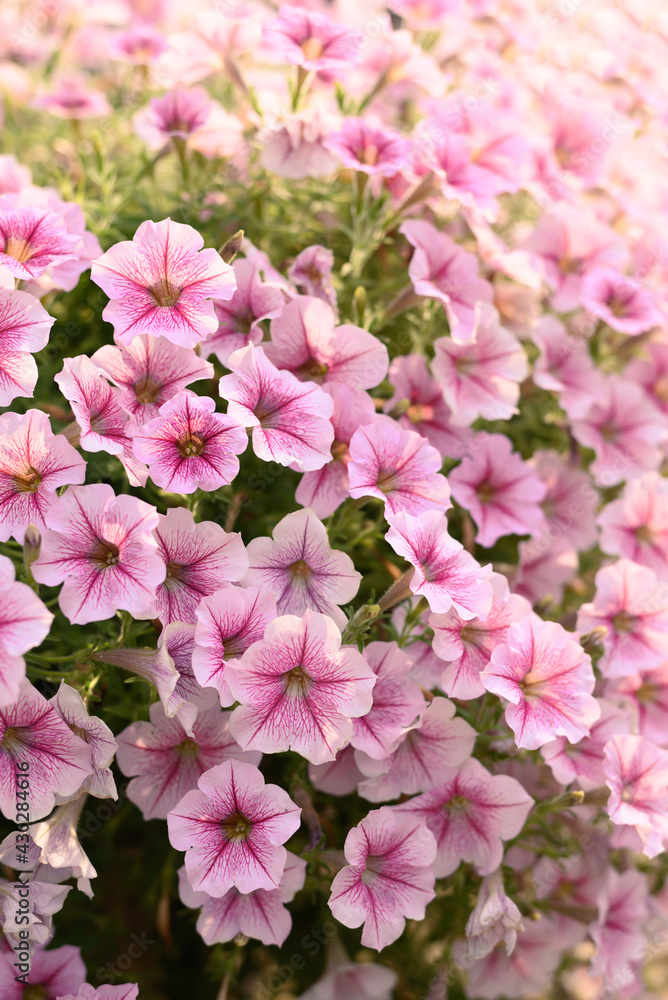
(149, 371)
(290, 419)
(548, 681)
(620, 301)
(229, 621)
(632, 605)
(129, 991)
(232, 828)
(388, 877)
(69, 705)
(34, 463)
(311, 271)
(618, 931)
(306, 340)
(398, 467)
(161, 282)
(501, 492)
(470, 812)
(188, 446)
(299, 689)
(636, 525)
(102, 549)
(301, 569)
(564, 366)
(494, 920)
(54, 973)
(25, 622)
(445, 573)
(645, 696)
(366, 145)
(24, 329)
(582, 762)
(33, 238)
(397, 701)
(165, 762)
(311, 40)
(240, 317)
(636, 773)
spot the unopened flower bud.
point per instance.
(230, 249)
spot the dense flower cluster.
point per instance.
(333, 498)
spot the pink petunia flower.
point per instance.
(427, 412)
(24, 328)
(294, 145)
(344, 978)
(301, 570)
(624, 428)
(165, 762)
(467, 644)
(45, 900)
(102, 549)
(129, 991)
(260, 914)
(55, 973)
(435, 741)
(72, 97)
(636, 773)
(240, 317)
(397, 701)
(191, 116)
(441, 270)
(646, 695)
(570, 502)
(189, 446)
(636, 525)
(481, 379)
(617, 932)
(501, 492)
(398, 467)
(544, 568)
(311, 272)
(470, 812)
(650, 370)
(32, 239)
(200, 557)
(633, 606)
(161, 282)
(388, 877)
(232, 828)
(582, 762)
(495, 920)
(548, 680)
(69, 705)
(149, 371)
(445, 573)
(368, 146)
(311, 40)
(290, 419)
(620, 301)
(564, 366)
(103, 425)
(34, 462)
(59, 761)
(25, 622)
(306, 341)
(228, 623)
(299, 689)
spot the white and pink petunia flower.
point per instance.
(481, 379)
(34, 462)
(149, 371)
(636, 773)
(645, 695)
(311, 40)
(625, 430)
(311, 272)
(229, 621)
(366, 145)
(620, 301)
(441, 270)
(294, 145)
(325, 489)
(344, 979)
(165, 762)
(260, 914)
(232, 828)
(570, 503)
(102, 549)
(189, 115)
(435, 741)
(636, 525)
(399, 467)
(59, 761)
(301, 570)
(470, 812)
(200, 557)
(240, 317)
(618, 931)
(188, 446)
(24, 328)
(59, 847)
(427, 411)
(161, 282)
(299, 689)
(103, 425)
(71, 96)
(501, 492)
(46, 899)
(69, 705)
(389, 876)
(445, 573)
(632, 604)
(583, 762)
(397, 701)
(25, 622)
(55, 973)
(650, 370)
(564, 366)
(495, 919)
(548, 680)
(128, 991)
(33, 238)
(306, 340)
(290, 419)
(466, 644)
